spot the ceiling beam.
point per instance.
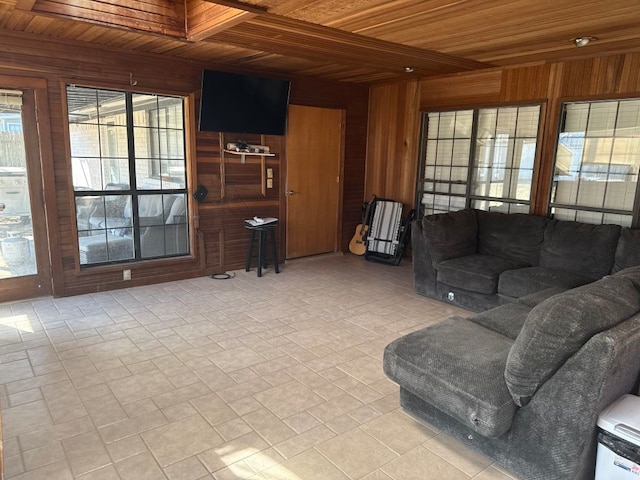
(206, 18)
(240, 6)
(289, 37)
(25, 5)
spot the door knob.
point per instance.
(290, 192)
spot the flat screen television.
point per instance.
(238, 103)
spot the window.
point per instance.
(479, 158)
(597, 160)
(128, 166)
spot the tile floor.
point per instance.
(272, 378)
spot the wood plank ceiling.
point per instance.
(363, 41)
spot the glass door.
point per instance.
(24, 272)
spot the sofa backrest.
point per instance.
(580, 248)
(451, 235)
(628, 251)
(558, 327)
(517, 236)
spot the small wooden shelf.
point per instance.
(244, 154)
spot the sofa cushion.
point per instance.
(476, 273)
(534, 299)
(451, 235)
(628, 249)
(558, 327)
(506, 319)
(631, 273)
(580, 248)
(458, 367)
(525, 281)
(516, 235)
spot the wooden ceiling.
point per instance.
(363, 41)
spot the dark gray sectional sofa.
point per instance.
(523, 382)
(478, 260)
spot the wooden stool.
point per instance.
(262, 231)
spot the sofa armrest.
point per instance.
(424, 274)
(563, 412)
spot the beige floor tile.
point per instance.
(39, 457)
(398, 431)
(214, 409)
(421, 464)
(181, 439)
(111, 349)
(335, 407)
(356, 453)
(12, 465)
(270, 427)
(140, 467)
(141, 386)
(105, 473)
(342, 424)
(310, 438)
(13, 371)
(104, 410)
(54, 433)
(178, 411)
(132, 426)
(25, 418)
(187, 469)
(492, 473)
(234, 451)
(288, 399)
(301, 422)
(233, 429)
(127, 447)
(309, 465)
(457, 454)
(276, 378)
(377, 475)
(85, 452)
(27, 396)
(236, 359)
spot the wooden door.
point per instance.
(24, 254)
(314, 161)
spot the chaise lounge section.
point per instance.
(524, 383)
(557, 338)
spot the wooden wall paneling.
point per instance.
(455, 91)
(548, 132)
(524, 84)
(220, 220)
(630, 77)
(392, 152)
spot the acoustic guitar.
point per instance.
(358, 245)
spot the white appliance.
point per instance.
(618, 455)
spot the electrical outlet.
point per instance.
(126, 274)
(269, 172)
(269, 182)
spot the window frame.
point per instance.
(135, 193)
(471, 165)
(634, 213)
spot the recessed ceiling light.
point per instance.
(408, 69)
(583, 41)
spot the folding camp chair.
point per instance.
(388, 232)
